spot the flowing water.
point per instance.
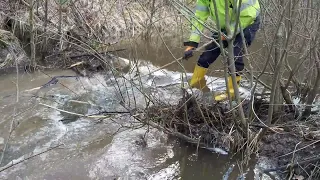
(91, 148)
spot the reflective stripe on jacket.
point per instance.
(249, 10)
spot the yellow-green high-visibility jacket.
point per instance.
(249, 10)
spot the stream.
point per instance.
(111, 148)
(52, 124)
(107, 148)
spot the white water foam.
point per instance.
(125, 159)
(169, 173)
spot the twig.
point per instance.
(293, 166)
(229, 171)
(300, 148)
(233, 108)
(292, 161)
(176, 61)
(82, 102)
(77, 114)
(198, 145)
(15, 162)
(25, 3)
(95, 53)
(32, 34)
(110, 112)
(12, 126)
(9, 135)
(258, 79)
(16, 115)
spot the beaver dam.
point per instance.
(293, 146)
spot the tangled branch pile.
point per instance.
(213, 126)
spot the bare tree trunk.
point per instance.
(60, 17)
(223, 52)
(315, 89)
(44, 48)
(278, 100)
(60, 24)
(235, 85)
(277, 71)
(32, 34)
(231, 64)
(316, 86)
(149, 25)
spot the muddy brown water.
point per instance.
(93, 149)
(161, 52)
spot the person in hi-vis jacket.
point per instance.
(249, 21)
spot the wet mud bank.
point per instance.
(294, 149)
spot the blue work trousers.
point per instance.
(212, 52)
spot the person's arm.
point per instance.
(249, 10)
(202, 13)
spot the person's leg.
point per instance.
(238, 62)
(210, 54)
(249, 35)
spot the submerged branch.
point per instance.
(18, 161)
(83, 115)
